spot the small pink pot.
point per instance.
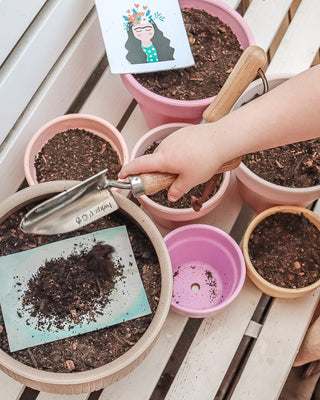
(158, 110)
(172, 217)
(208, 269)
(91, 123)
(258, 193)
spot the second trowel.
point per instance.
(93, 199)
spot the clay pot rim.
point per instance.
(77, 380)
(67, 117)
(264, 285)
(191, 103)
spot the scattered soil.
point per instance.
(215, 49)
(76, 154)
(185, 201)
(285, 250)
(295, 165)
(92, 349)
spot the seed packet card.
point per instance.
(144, 37)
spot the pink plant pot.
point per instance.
(173, 217)
(158, 110)
(208, 269)
(257, 192)
(91, 123)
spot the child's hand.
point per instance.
(189, 152)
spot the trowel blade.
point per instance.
(72, 209)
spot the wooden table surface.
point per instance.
(53, 62)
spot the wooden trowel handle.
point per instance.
(243, 73)
(155, 181)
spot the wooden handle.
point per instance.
(245, 70)
(155, 181)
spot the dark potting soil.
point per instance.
(93, 349)
(76, 154)
(73, 289)
(185, 201)
(294, 165)
(215, 49)
(285, 250)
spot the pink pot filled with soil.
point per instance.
(74, 147)
(208, 269)
(93, 360)
(270, 184)
(173, 215)
(159, 108)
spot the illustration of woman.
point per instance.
(146, 43)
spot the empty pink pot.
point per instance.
(257, 192)
(158, 110)
(166, 216)
(208, 269)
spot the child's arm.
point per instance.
(287, 114)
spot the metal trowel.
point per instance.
(93, 199)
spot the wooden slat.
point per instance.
(50, 396)
(275, 349)
(265, 18)
(52, 99)
(9, 388)
(15, 16)
(27, 66)
(301, 42)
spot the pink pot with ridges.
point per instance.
(172, 217)
(159, 110)
(91, 123)
(258, 193)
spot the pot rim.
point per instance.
(30, 375)
(192, 103)
(286, 292)
(68, 117)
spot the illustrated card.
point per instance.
(144, 36)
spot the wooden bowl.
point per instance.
(95, 379)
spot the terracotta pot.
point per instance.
(158, 110)
(95, 379)
(208, 269)
(91, 123)
(256, 191)
(265, 286)
(173, 217)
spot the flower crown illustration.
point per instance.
(137, 17)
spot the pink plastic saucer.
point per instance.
(208, 269)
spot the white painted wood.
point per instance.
(277, 345)
(109, 99)
(213, 348)
(9, 388)
(300, 42)
(52, 99)
(26, 67)
(140, 383)
(15, 16)
(50, 396)
(264, 18)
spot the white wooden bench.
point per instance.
(52, 62)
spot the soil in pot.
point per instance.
(187, 200)
(76, 154)
(215, 49)
(284, 248)
(294, 165)
(93, 349)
